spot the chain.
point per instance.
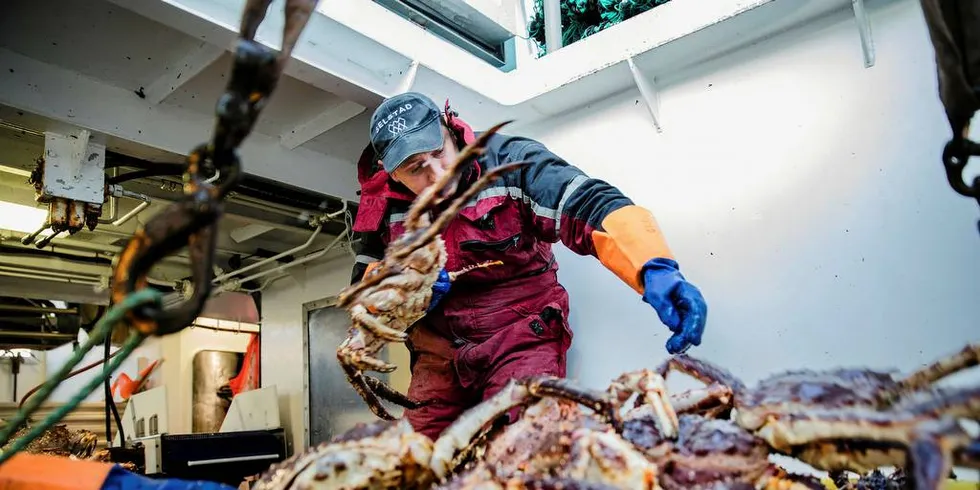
(956, 155)
(192, 221)
(212, 170)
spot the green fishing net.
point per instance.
(583, 18)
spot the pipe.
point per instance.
(282, 209)
(37, 309)
(76, 245)
(51, 278)
(113, 204)
(56, 270)
(20, 129)
(219, 329)
(552, 25)
(264, 284)
(283, 267)
(17, 249)
(309, 241)
(128, 216)
(37, 335)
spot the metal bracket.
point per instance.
(408, 79)
(864, 29)
(74, 168)
(648, 92)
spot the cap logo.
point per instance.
(391, 115)
(397, 126)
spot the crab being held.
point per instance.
(389, 454)
(396, 293)
(849, 419)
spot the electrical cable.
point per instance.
(110, 403)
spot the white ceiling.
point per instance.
(116, 47)
(116, 64)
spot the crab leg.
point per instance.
(375, 277)
(653, 391)
(703, 371)
(358, 360)
(388, 393)
(361, 316)
(962, 403)
(921, 379)
(356, 379)
(931, 453)
(469, 424)
(428, 196)
(711, 402)
(517, 392)
(436, 227)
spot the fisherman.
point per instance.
(507, 321)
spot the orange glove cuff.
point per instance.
(630, 239)
(44, 472)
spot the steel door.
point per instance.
(334, 406)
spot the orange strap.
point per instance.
(44, 472)
(630, 239)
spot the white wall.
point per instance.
(49, 362)
(30, 376)
(805, 196)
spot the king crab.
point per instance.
(59, 440)
(389, 454)
(853, 419)
(709, 454)
(555, 440)
(396, 293)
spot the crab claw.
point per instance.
(651, 388)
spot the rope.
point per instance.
(583, 18)
(101, 330)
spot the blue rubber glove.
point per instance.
(439, 289)
(120, 479)
(679, 304)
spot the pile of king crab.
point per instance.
(717, 437)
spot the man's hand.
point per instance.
(678, 303)
(439, 289)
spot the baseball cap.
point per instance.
(404, 125)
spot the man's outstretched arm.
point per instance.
(592, 217)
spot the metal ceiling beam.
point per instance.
(176, 74)
(32, 288)
(71, 98)
(337, 113)
(38, 309)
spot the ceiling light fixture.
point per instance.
(22, 218)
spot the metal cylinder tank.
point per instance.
(212, 370)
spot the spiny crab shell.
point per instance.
(383, 454)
